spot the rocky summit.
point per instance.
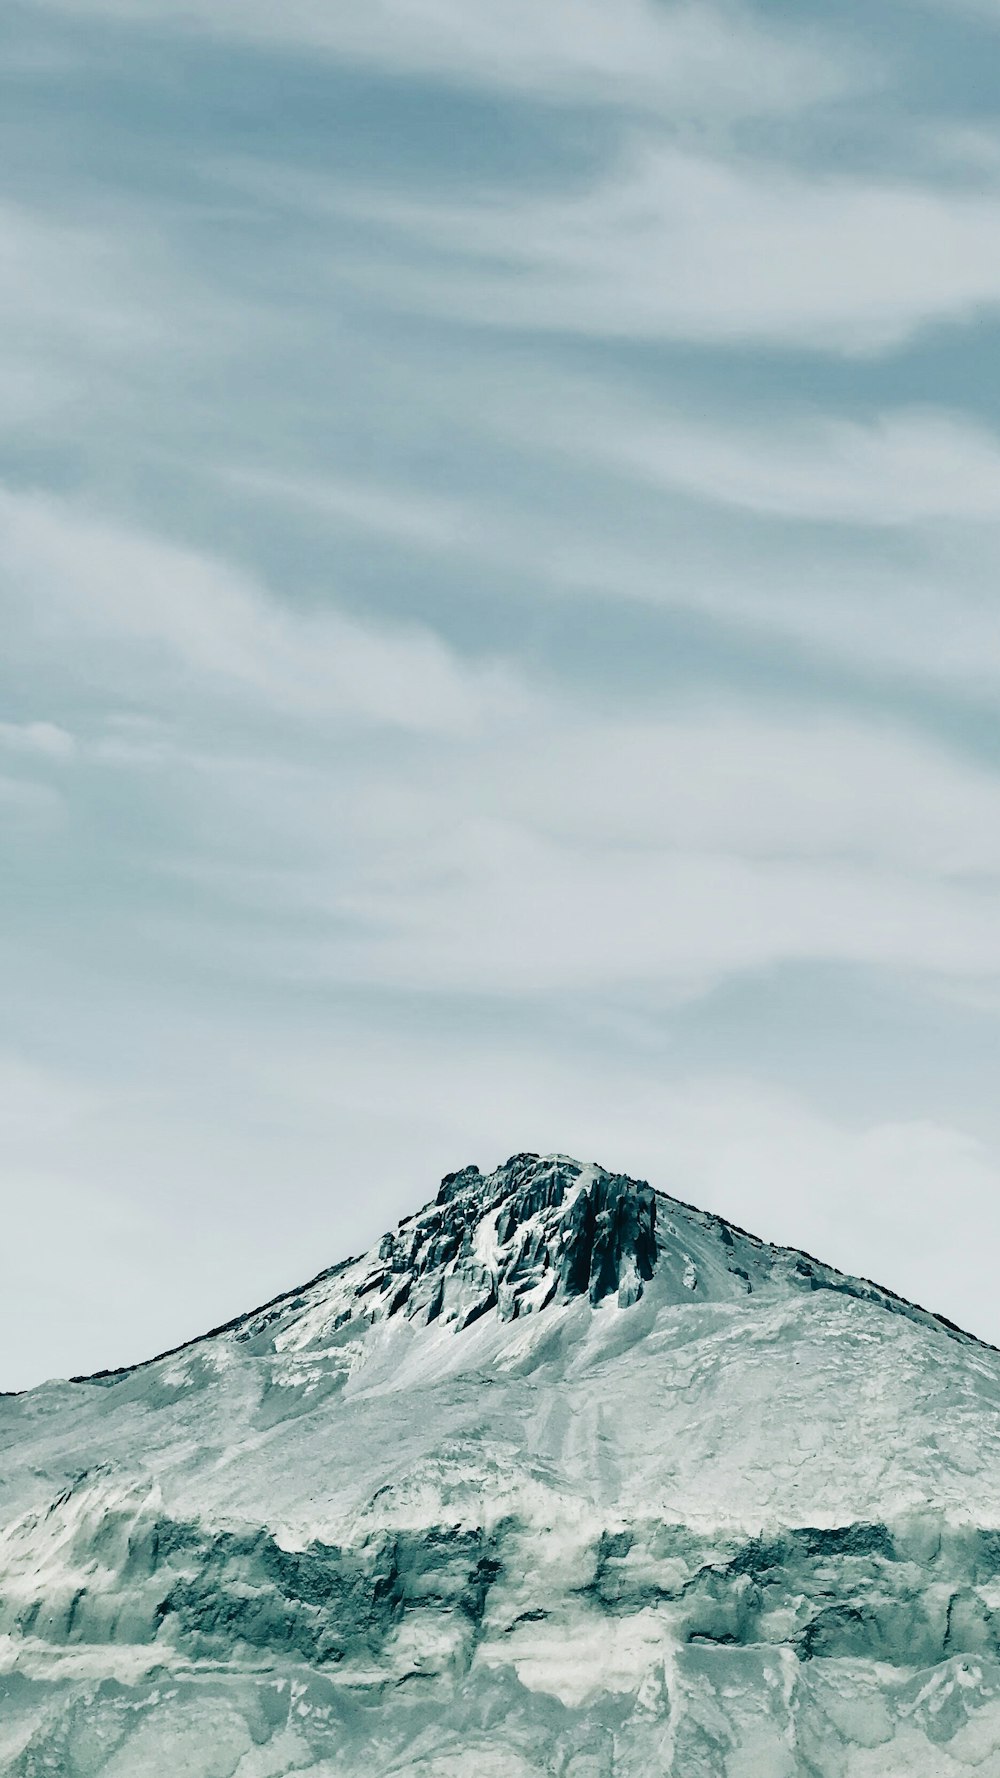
(563, 1477)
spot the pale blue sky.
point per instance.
(499, 541)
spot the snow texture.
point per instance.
(564, 1477)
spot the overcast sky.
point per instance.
(499, 553)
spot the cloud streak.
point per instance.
(570, 855)
(684, 57)
(182, 612)
(674, 245)
(899, 468)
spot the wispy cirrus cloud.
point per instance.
(923, 618)
(74, 576)
(674, 245)
(901, 590)
(902, 467)
(570, 853)
(406, 515)
(72, 283)
(47, 740)
(521, 916)
(687, 57)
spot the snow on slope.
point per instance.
(563, 1477)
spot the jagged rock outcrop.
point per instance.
(564, 1477)
(517, 1239)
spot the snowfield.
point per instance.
(564, 1477)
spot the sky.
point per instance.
(499, 633)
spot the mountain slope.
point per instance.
(563, 1477)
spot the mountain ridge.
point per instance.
(453, 1186)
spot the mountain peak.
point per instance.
(560, 1464)
(538, 1232)
(538, 1228)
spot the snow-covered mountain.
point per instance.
(565, 1477)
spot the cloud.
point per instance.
(573, 852)
(174, 610)
(408, 517)
(682, 58)
(46, 739)
(683, 853)
(763, 785)
(73, 283)
(591, 491)
(677, 245)
(901, 467)
(899, 586)
(506, 912)
(106, 330)
(71, 307)
(900, 583)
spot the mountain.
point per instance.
(564, 1477)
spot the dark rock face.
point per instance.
(454, 1184)
(610, 1240)
(907, 1596)
(517, 1239)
